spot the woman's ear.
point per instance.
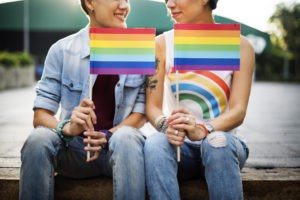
(89, 4)
(204, 2)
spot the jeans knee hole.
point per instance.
(217, 140)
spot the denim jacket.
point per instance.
(65, 80)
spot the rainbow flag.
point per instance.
(122, 50)
(206, 46)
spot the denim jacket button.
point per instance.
(71, 84)
(118, 85)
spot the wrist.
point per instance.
(160, 123)
(207, 128)
(66, 130)
(59, 131)
(108, 134)
(203, 128)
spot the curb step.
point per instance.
(276, 183)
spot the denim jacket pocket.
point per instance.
(71, 93)
(72, 85)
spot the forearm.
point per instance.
(229, 120)
(45, 118)
(152, 113)
(240, 91)
(136, 120)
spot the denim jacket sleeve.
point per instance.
(49, 87)
(139, 105)
(65, 79)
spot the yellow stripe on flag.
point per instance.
(207, 40)
(122, 44)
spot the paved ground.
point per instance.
(271, 127)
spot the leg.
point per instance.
(223, 155)
(190, 166)
(71, 162)
(127, 162)
(38, 157)
(161, 168)
(44, 153)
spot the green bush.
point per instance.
(8, 59)
(22, 59)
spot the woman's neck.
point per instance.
(205, 17)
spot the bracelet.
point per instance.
(60, 126)
(108, 134)
(164, 126)
(202, 126)
(158, 121)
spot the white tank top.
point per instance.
(204, 93)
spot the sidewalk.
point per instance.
(271, 127)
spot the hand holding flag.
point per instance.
(121, 51)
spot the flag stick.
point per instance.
(177, 106)
(91, 97)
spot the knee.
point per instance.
(156, 144)
(215, 145)
(127, 137)
(217, 140)
(39, 140)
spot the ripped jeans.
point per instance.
(218, 159)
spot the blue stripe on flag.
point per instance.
(207, 54)
(206, 61)
(123, 57)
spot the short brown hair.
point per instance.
(213, 4)
(84, 8)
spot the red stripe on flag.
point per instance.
(123, 30)
(207, 26)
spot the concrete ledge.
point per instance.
(277, 183)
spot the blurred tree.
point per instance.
(287, 36)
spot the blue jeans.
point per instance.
(44, 153)
(218, 159)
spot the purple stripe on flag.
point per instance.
(206, 61)
(122, 64)
(122, 70)
(207, 67)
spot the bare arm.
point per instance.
(240, 91)
(82, 119)
(45, 118)
(154, 94)
(155, 83)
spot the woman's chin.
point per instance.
(120, 25)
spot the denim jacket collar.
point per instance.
(84, 33)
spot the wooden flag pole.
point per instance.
(91, 97)
(177, 106)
